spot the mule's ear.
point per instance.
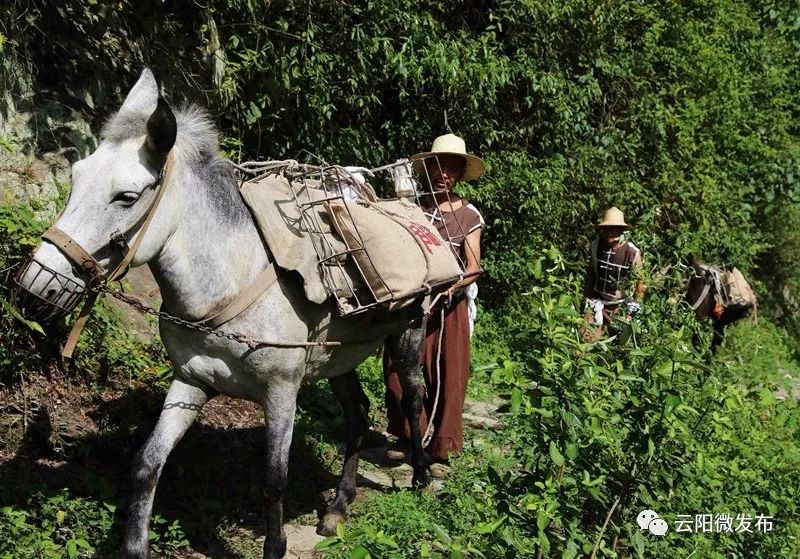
(143, 96)
(161, 130)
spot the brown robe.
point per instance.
(448, 423)
(455, 355)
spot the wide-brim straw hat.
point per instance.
(450, 144)
(614, 218)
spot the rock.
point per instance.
(394, 478)
(32, 125)
(479, 422)
(482, 415)
(300, 541)
(482, 409)
(39, 170)
(23, 177)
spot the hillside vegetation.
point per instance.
(682, 114)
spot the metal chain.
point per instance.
(240, 338)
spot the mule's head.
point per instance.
(112, 190)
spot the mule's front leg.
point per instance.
(279, 409)
(181, 407)
(355, 405)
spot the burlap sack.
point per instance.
(398, 251)
(736, 291)
(442, 264)
(293, 243)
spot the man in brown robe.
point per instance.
(460, 224)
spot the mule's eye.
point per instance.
(126, 198)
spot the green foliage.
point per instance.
(19, 235)
(412, 525)
(107, 349)
(166, 537)
(781, 264)
(54, 526)
(595, 423)
(370, 373)
(60, 525)
(758, 355)
(600, 431)
(683, 114)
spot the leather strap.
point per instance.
(72, 249)
(122, 267)
(77, 327)
(78, 255)
(244, 299)
(703, 294)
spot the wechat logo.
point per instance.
(649, 520)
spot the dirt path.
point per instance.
(57, 433)
(300, 542)
(375, 474)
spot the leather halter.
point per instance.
(703, 295)
(86, 263)
(711, 279)
(89, 265)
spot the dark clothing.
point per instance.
(609, 268)
(456, 225)
(454, 374)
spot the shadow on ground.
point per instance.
(212, 479)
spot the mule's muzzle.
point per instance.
(43, 294)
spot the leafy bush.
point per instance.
(61, 525)
(20, 228)
(54, 526)
(598, 432)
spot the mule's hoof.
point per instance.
(327, 526)
(275, 549)
(421, 482)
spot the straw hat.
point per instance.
(613, 218)
(450, 144)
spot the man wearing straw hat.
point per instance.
(460, 224)
(613, 259)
